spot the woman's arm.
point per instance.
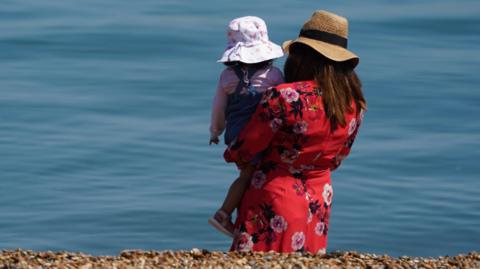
(255, 137)
(347, 146)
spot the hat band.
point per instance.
(325, 37)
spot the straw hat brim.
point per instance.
(332, 52)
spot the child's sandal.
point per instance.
(222, 222)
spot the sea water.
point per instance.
(104, 116)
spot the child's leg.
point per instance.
(236, 190)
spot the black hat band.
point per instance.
(325, 37)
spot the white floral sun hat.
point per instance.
(248, 42)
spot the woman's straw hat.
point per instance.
(248, 42)
(326, 33)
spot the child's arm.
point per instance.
(217, 124)
(276, 76)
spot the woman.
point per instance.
(304, 128)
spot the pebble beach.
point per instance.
(197, 258)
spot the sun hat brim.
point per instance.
(332, 52)
(252, 53)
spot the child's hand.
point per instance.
(214, 140)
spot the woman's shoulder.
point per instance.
(301, 86)
(291, 94)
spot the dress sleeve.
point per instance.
(347, 146)
(256, 136)
(217, 123)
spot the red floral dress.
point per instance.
(287, 206)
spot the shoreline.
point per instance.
(197, 258)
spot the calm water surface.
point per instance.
(104, 113)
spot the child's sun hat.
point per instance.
(248, 42)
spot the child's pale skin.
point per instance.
(236, 190)
(238, 187)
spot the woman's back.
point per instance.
(300, 136)
(304, 129)
(308, 130)
(287, 207)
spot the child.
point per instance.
(249, 73)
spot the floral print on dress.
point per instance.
(351, 126)
(245, 242)
(320, 228)
(290, 196)
(290, 95)
(289, 156)
(258, 179)
(278, 224)
(300, 127)
(298, 240)
(275, 124)
(327, 194)
(310, 217)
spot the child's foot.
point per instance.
(222, 222)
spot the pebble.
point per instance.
(201, 258)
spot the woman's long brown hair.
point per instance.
(338, 82)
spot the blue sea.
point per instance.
(104, 115)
